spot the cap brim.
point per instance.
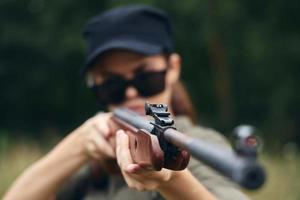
(125, 44)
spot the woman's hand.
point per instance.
(135, 176)
(92, 140)
(96, 137)
(169, 183)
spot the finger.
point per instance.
(97, 145)
(91, 150)
(113, 127)
(100, 123)
(122, 150)
(134, 169)
(125, 156)
(103, 145)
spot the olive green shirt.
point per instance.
(114, 187)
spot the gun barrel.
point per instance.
(245, 171)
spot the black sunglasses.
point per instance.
(112, 91)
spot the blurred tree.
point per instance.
(41, 54)
(240, 62)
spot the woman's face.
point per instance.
(127, 65)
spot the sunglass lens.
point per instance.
(150, 83)
(112, 91)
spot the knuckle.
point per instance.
(90, 147)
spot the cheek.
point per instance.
(168, 80)
(172, 76)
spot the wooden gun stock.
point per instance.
(146, 150)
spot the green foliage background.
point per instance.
(41, 52)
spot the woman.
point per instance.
(130, 60)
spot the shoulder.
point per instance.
(219, 185)
(210, 135)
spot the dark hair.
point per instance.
(181, 103)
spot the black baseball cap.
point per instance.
(139, 28)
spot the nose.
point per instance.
(131, 92)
